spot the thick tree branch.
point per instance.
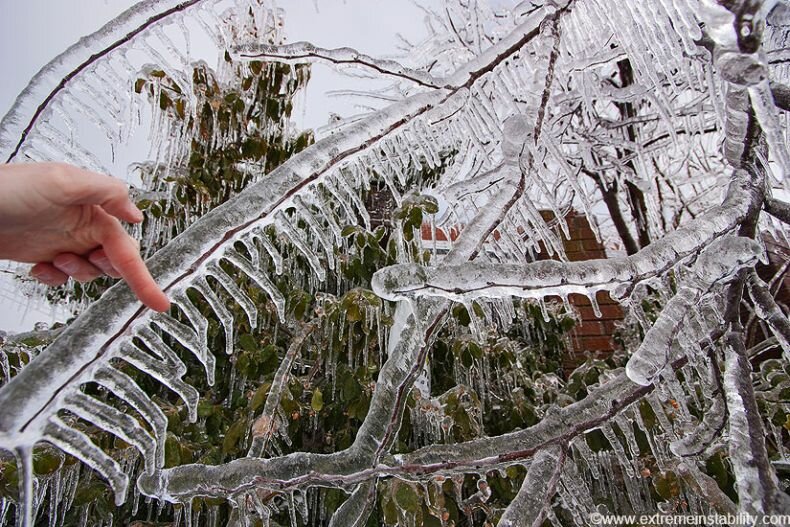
(758, 488)
(539, 279)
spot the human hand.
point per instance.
(65, 220)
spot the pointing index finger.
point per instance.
(124, 256)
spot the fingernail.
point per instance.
(42, 276)
(68, 267)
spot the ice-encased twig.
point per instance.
(264, 425)
(356, 510)
(767, 309)
(778, 209)
(528, 508)
(720, 259)
(301, 52)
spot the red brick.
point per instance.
(578, 300)
(591, 244)
(608, 312)
(589, 328)
(572, 246)
(582, 232)
(595, 344)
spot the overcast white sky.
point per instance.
(33, 32)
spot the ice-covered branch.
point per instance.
(58, 75)
(720, 260)
(528, 508)
(300, 52)
(486, 181)
(778, 209)
(756, 482)
(766, 308)
(547, 278)
(264, 425)
(347, 469)
(357, 508)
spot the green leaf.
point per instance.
(317, 402)
(172, 451)
(234, 434)
(431, 205)
(390, 510)
(407, 498)
(667, 485)
(46, 462)
(248, 342)
(349, 230)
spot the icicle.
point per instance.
(259, 278)
(114, 422)
(269, 247)
(190, 340)
(196, 318)
(611, 437)
(299, 239)
(235, 292)
(169, 371)
(767, 114)
(80, 446)
(324, 210)
(25, 508)
(125, 388)
(586, 453)
(318, 230)
(221, 311)
(330, 188)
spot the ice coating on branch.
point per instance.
(301, 52)
(768, 310)
(758, 491)
(70, 60)
(525, 509)
(720, 261)
(548, 278)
